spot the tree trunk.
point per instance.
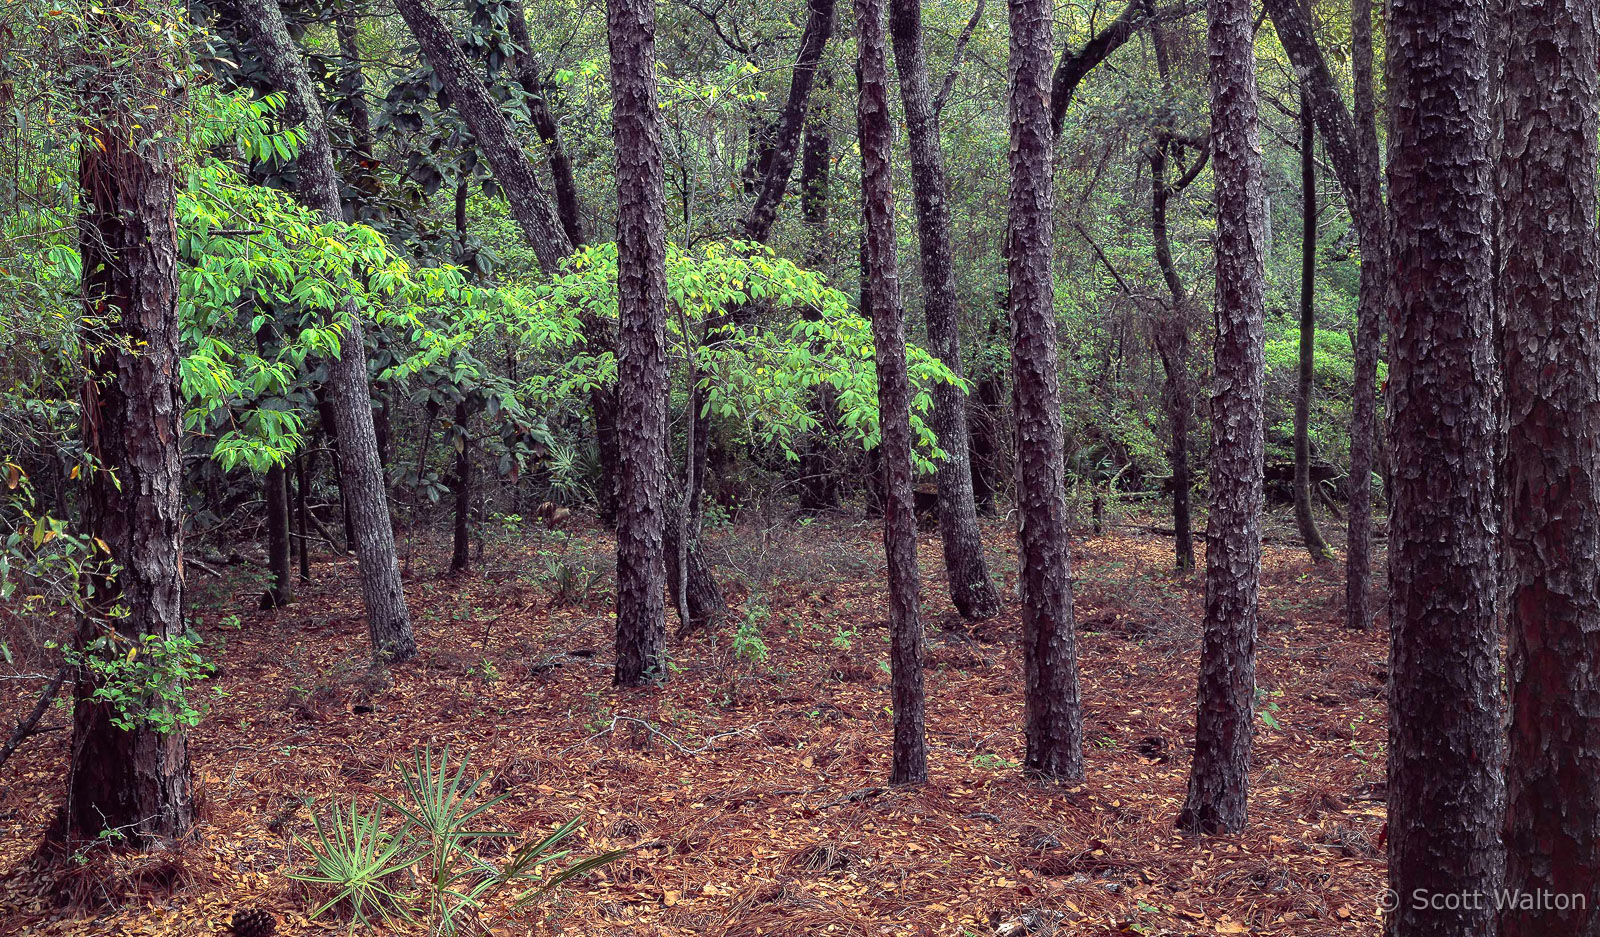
(361, 481)
(135, 782)
(985, 420)
(876, 133)
(777, 161)
(1352, 147)
(301, 510)
(280, 560)
(544, 121)
(819, 484)
(1172, 344)
(1304, 384)
(1550, 282)
(641, 344)
(459, 554)
(1049, 646)
(971, 591)
(1219, 777)
(353, 95)
(525, 195)
(1075, 66)
(1445, 748)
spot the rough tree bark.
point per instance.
(1306, 373)
(641, 344)
(525, 194)
(971, 590)
(876, 130)
(1445, 743)
(1172, 343)
(1550, 284)
(137, 781)
(776, 162)
(361, 480)
(1219, 778)
(1054, 718)
(1352, 148)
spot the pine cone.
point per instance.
(253, 922)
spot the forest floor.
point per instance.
(752, 793)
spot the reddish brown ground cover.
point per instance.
(750, 794)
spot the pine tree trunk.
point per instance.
(361, 482)
(301, 513)
(136, 781)
(460, 557)
(1054, 718)
(971, 590)
(353, 101)
(641, 345)
(280, 559)
(1219, 777)
(1550, 281)
(1304, 383)
(876, 130)
(1445, 745)
(1372, 236)
(1172, 344)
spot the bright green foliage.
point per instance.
(145, 682)
(762, 381)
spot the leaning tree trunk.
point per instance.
(134, 781)
(361, 480)
(776, 162)
(1550, 284)
(1049, 647)
(562, 178)
(971, 590)
(1445, 743)
(641, 344)
(1304, 384)
(491, 131)
(876, 130)
(1219, 778)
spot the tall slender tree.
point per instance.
(361, 480)
(1054, 718)
(1550, 287)
(1219, 778)
(1445, 741)
(135, 781)
(876, 130)
(1306, 372)
(641, 344)
(1352, 148)
(971, 590)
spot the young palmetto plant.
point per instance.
(440, 805)
(360, 860)
(442, 846)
